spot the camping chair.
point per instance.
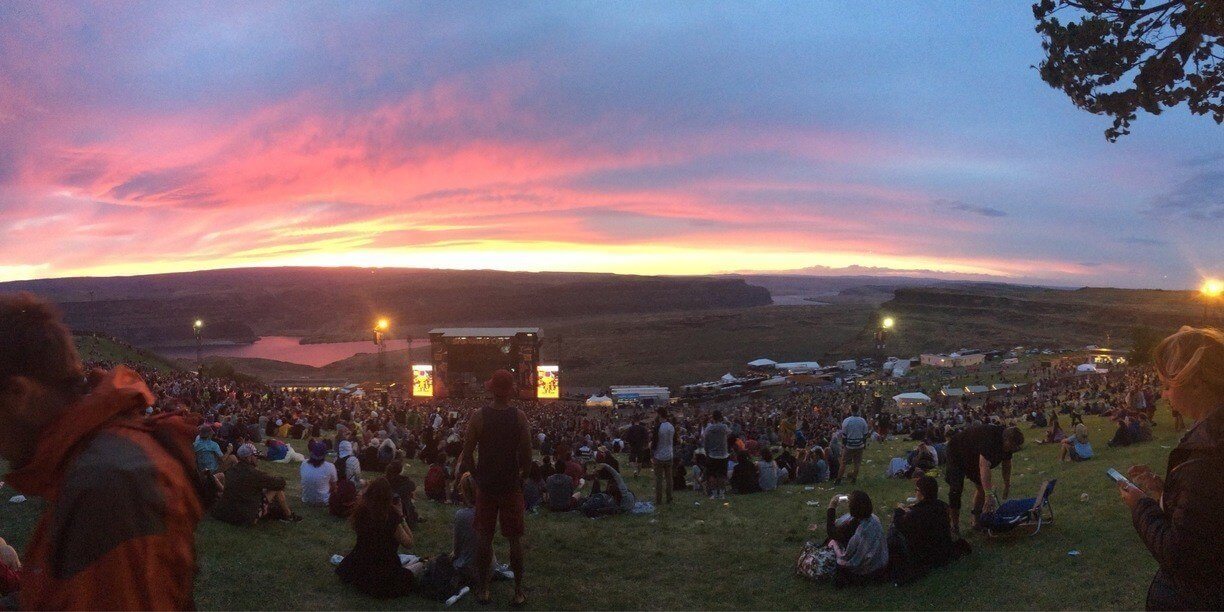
(1029, 513)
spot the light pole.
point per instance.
(1212, 290)
(198, 328)
(881, 338)
(380, 340)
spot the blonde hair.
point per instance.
(1192, 354)
(1081, 433)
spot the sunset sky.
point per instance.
(645, 138)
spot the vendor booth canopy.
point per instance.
(762, 363)
(598, 401)
(910, 398)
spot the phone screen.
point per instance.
(1116, 476)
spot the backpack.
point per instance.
(342, 499)
(440, 579)
(435, 482)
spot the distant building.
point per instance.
(954, 360)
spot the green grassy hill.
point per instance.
(699, 554)
(96, 347)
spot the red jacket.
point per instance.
(118, 528)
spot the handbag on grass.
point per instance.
(816, 562)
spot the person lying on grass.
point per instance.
(614, 498)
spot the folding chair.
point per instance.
(1029, 513)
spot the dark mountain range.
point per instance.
(341, 303)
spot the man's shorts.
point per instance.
(716, 468)
(852, 455)
(508, 507)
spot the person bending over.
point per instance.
(972, 454)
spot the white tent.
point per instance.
(762, 363)
(728, 377)
(599, 401)
(799, 365)
(913, 397)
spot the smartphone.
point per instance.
(843, 498)
(1117, 476)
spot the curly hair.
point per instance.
(34, 343)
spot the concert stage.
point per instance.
(464, 357)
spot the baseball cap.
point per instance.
(246, 450)
(501, 384)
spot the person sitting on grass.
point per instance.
(1076, 447)
(699, 471)
(559, 493)
(923, 459)
(276, 450)
(926, 528)
(768, 471)
(318, 478)
(252, 495)
(745, 477)
(405, 488)
(788, 465)
(373, 567)
(1129, 430)
(864, 557)
(435, 481)
(533, 488)
(1055, 432)
(463, 553)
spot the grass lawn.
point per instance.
(711, 555)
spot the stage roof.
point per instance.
(483, 332)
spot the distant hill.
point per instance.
(340, 303)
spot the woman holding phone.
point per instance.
(1180, 517)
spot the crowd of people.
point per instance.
(196, 445)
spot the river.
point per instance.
(288, 348)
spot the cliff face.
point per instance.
(240, 305)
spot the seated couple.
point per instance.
(920, 538)
(252, 495)
(609, 493)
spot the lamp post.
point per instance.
(1212, 290)
(881, 338)
(380, 340)
(198, 328)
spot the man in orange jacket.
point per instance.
(118, 528)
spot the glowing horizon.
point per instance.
(656, 139)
